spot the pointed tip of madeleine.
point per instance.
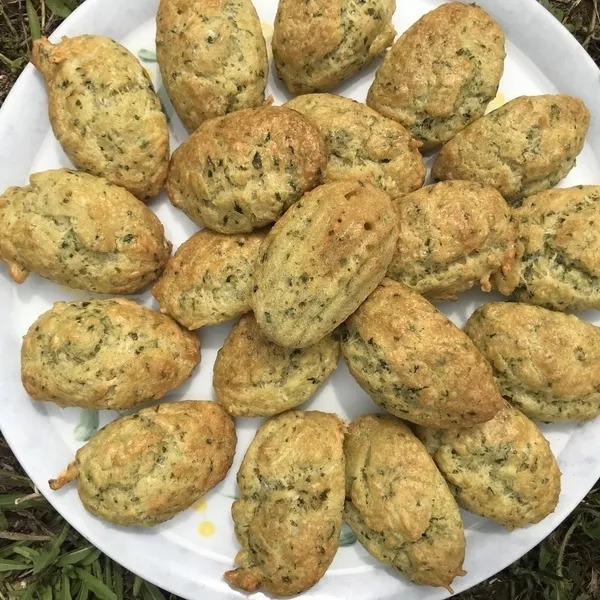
(40, 54)
(66, 476)
(245, 579)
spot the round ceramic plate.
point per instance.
(189, 554)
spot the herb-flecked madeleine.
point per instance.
(318, 44)
(212, 56)
(503, 470)
(144, 468)
(453, 235)
(78, 230)
(243, 171)
(416, 363)
(398, 503)
(105, 354)
(441, 73)
(544, 362)
(255, 377)
(524, 147)
(289, 515)
(362, 144)
(321, 260)
(557, 250)
(209, 280)
(104, 111)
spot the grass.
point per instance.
(42, 558)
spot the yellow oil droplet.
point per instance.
(497, 102)
(206, 528)
(201, 505)
(267, 30)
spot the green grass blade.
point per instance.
(97, 570)
(76, 556)
(95, 585)
(10, 549)
(7, 502)
(592, 530)
(137, 584)
(83, 592)
(108, 578)
(6, 564)
(34, 21)
(118, 580)
(48, 557)
(29, 591)
(59, 8)
(91, 559)
(46, 593)
(12, 477)
(65, 588)
(151, 592)
(27, 552)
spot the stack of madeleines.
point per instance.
(319, 236)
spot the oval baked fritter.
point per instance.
(289, 515)
(398, 503)
(144, 468)
(545, 362)
(522, 148)
(105, 354)
(416, 363)
(254, 377)
(78, 230)
(104, 111)
(321, 260)
(212, 57)
(441, 73)
(557, 250)
(453, 235)
(318, 44)
(503, 470)
(243, 171)
(209, 280)
(362, 144)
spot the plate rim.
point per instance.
(218, 588)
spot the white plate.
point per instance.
(542, 58)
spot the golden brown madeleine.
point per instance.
(416, 363)
(254, 377)
(362, 144)
(522, 148)
(209, 280)
(441, 73)
(289, 514)
(503, 470)
(242, 171)
(112, 354)
(318, 44)
(399, 505)
(321, 260)
(557, 250)
(544, 362)
(144, 468)
(212, 57)
(78, 230)
(104, 111)
(453, 235)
